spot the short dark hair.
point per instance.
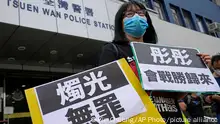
(150, 35)
(215, 58)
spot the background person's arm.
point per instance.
(206, 58)
(183, 106)
(216, 98)
(183, 103)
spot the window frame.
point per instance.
(199, 18)
(188, 19)
(161, 13)
(207, 22)
(177, 15)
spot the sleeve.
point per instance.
(108, 54)
(204, 98)
(184, 99)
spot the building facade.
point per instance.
(188, 23)
(195, 15)
(44, 40)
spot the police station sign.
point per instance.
(173, 69)
(106, 94)
(84, 18)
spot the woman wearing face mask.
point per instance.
(133, 23)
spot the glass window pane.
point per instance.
(159, 8)
(175, 16)
(147, 3)
(207, 21)
(200, 25)
(188, 19)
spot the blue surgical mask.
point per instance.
(135, 26)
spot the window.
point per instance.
(148, 4)
(207, 21)
(216, 2)
(200, 24)
(176, 15)
(159, 8)
(145, 2)
(188, 19)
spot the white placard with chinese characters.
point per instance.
(172, 69)
(101, 95)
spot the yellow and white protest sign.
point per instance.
(107, 94)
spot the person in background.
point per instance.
(215, 99)
(216, 67)
(192, 105)
(133, 23)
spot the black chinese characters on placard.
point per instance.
(95, 87)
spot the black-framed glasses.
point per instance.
(132, 13)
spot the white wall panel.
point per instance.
(70, 22)
(37, 14)
(73, 21)
(9, 12)
(112, 7)
(100, 27)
